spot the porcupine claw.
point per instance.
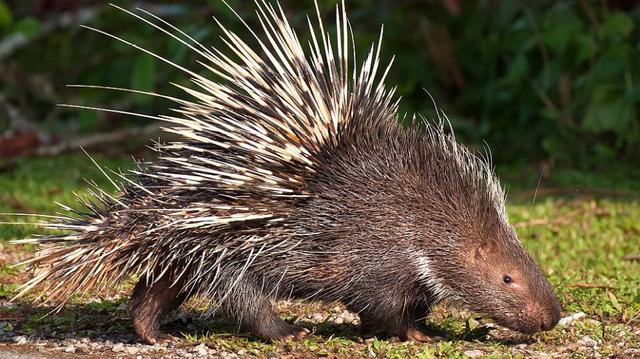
(281, 331)
(416, 335)
(296, 333)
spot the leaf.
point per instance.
(617, 26)
(613, 63)
(28, 26)
(560, 28)
(586, 47)
(609, 110)
(518, 70)
(5, 15)
(604, 152)
(376, 345)
(614, 301)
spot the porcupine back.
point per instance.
(252, 133)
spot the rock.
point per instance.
(587, 342)
(82, 348)
(317, 318)
(20, 339)
(70, 349)
(570, 318)
(201, 350)
(349, 318)
(474, 353)
(343, 317)
(118, 348)
(132, 350)
(227, 355)
(160, 347)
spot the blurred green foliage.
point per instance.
(543, 80)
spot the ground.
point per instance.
(587, 243)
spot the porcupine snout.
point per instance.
(546, 315)
(547, 322)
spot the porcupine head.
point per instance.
(469, 254)
(293, 178)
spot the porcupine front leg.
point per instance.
(150, 302)
(248, 305)
(416, 328)
(393, 319)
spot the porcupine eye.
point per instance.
(506, 279)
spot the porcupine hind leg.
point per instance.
(252, 308)
(150, 302)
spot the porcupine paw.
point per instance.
(404, 332)
(294, 332)
(416, 335)
(282, 331)
(371, 330)
(409, 334)
(148, 333)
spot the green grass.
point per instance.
(35, 185)
(586, 245)
(581, 242)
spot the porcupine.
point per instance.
(294, 179)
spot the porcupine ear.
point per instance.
(275, 107)
(482, 248)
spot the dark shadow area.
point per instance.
(103, 320)
(109, 321)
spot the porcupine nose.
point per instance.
(549, 319)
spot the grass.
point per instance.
(581, 241)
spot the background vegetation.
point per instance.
(553, 82)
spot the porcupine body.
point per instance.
(294, 179)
